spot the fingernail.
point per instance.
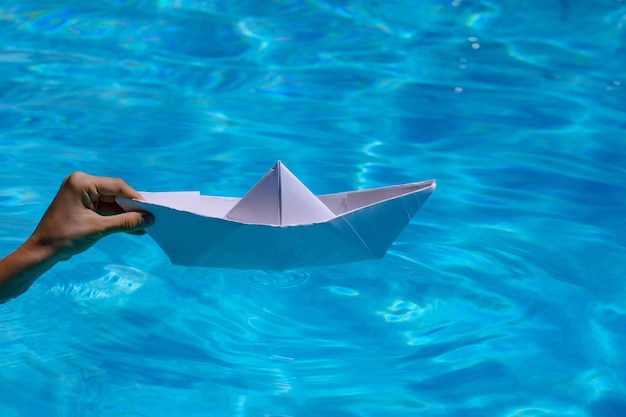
(147, 220)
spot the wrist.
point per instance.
(39, 252)
(21, 268)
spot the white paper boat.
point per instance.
(279, 224)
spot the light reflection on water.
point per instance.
(503, 297)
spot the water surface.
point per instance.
(505, 295)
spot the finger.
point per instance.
(90, 199)
(87, 200)
(115, 187)
(132, 221)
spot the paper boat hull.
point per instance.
(360, 234)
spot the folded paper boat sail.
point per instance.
(279, 224)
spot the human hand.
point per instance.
(83, 211)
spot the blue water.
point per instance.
(504, 297)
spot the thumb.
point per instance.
(129, 222)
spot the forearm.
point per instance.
(22, 267)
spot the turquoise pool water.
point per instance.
(504, 297)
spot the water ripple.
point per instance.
(284, 279)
